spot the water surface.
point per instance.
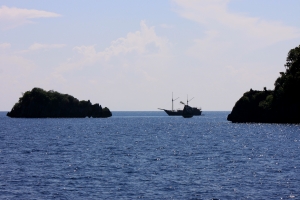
(148, 155)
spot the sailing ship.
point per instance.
(187, 110)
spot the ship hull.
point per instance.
(196, 112)
(174, 112)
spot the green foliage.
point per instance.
(267, 103)
(40, 103)
(293, 57)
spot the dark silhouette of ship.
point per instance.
(187, 111)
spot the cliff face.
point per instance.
(281, 105)
(39, 103)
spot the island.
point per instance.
(280, 105)
(39, 103)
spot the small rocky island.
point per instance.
(39, 103)
(281, 105)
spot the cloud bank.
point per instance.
(144, 42)
(215, 15)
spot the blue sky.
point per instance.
(131, 55)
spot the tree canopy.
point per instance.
(39, 103)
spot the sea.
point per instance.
(148, 155)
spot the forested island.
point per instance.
(281, 105)
(39, 103)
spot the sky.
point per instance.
(132, 55)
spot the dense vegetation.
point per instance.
(39, 103)
(281, 105)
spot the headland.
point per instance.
(280, 105)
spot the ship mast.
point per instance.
(173, 101)
(187, 100)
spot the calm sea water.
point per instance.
(148, 155)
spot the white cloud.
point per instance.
(215, 14)
(144, 42)
(39, 46)
(136, 42)
(5, 46)
(229, 38)
(13, 17)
